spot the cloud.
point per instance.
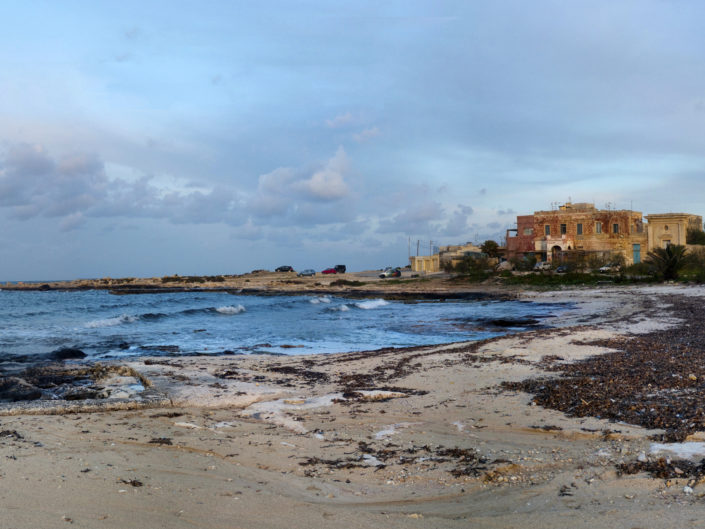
(339, 121)
(366, 134)
(509, 211)
(414, 220)
(458, 223)
(289, 195)
(72, 222)
(76, 187)
(328, 183)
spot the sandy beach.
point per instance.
(440, 436)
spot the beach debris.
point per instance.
(459, 462)
(665, 468)
(646, 381)
(161, 441)
(12, 434)
(131, 482)
(309, 376)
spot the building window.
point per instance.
(598, 227)
(528, 231)
(547, 230)
(564, 229)
(615, 228)
(580, 228)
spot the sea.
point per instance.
(34, 324)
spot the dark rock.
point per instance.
(45, 287)
(511, 322)
(81, 393)
(68, 353)
(14, 389)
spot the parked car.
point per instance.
(612, 267)
(390, 272)
(340, 269)
(329, 271)
(307, 272)
(563, 269)
(542, 265)
(285, 268)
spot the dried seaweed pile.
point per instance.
(666, 469)
(655, 380)
(457, 461)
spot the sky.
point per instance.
(149, 138)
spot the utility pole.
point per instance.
(418, 242)
(430, 247)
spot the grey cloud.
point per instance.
(509, 211)
(75, 187)
(72, 222)
(413, 220)
(458, 222)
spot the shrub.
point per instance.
(668, 262)
(695, 236)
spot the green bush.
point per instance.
(668, 262)
(695, 236)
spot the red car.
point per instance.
(329, 271)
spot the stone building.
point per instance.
(664, 229)
(425, 263)
(520, 240)
(583, 228)
(446, 255)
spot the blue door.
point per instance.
(637, 253)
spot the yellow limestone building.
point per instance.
(664, 229)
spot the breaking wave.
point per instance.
(230, 309)
(316, 301)
(111, 322)
(371, 304)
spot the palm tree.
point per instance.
(667, 262)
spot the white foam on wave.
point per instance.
(230, 309)
(111, 322)
(316, 301)
(371, 304)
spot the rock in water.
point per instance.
(13, 389)
(68, 353)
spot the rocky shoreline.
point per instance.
(359, 285)
(529, 429)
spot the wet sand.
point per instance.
(428, 437)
